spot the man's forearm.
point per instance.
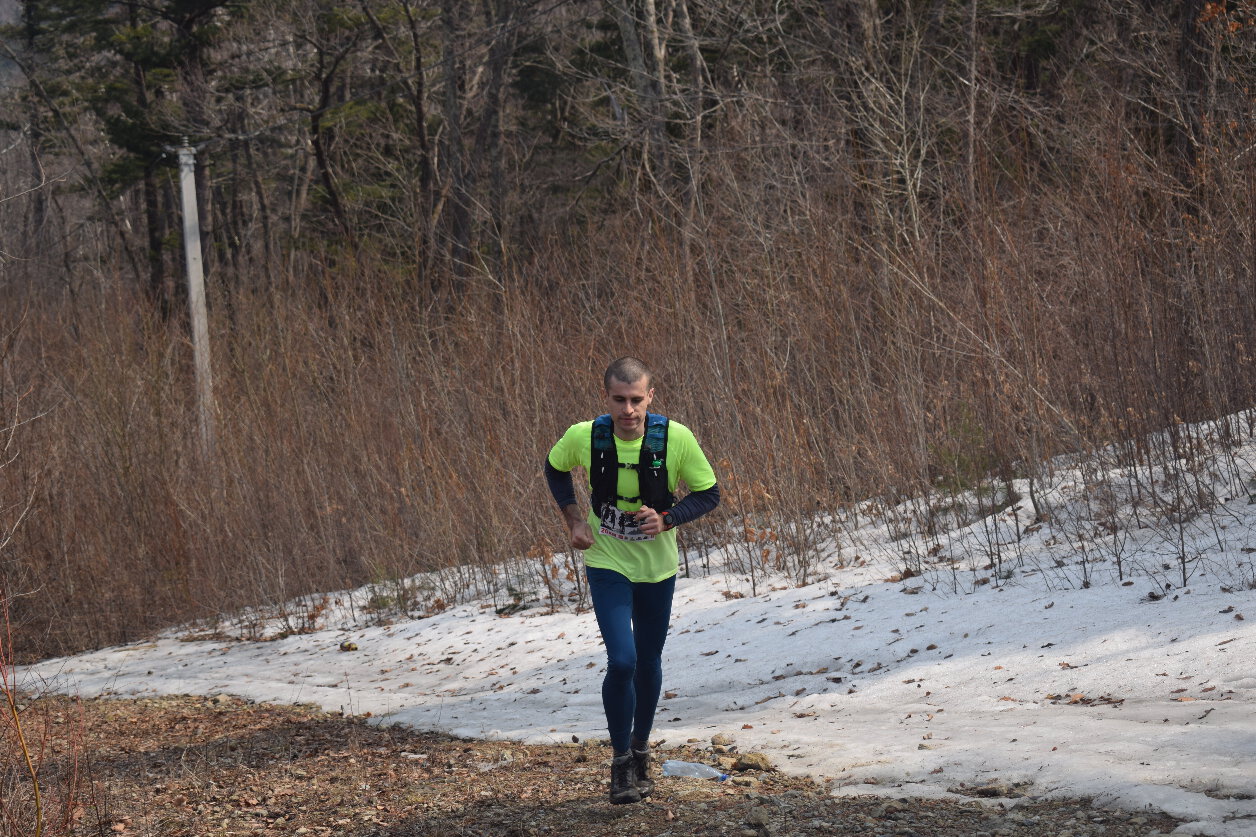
(572, 514)
(694, 505)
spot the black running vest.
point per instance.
(651, 468)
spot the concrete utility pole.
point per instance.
(196, 296)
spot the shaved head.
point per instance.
(627, 369)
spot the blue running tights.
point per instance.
(633, 618)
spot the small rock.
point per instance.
(758, 816)
(991, 790)
(721, 739)
(752, 761)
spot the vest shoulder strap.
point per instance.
(655, 440)
(651, 467)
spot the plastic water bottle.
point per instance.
(672, 767)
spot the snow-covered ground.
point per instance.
(1016, 654)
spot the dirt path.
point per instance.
(196, 766)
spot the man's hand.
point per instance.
(578, 527)
(649, 521)
(581, 535)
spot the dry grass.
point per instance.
(363, 439)
(871, 290)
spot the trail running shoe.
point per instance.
(623, 771)
(641, 770)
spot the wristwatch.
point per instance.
(667, 520)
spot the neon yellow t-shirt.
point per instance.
(650, 560)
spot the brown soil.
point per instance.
(219, 766)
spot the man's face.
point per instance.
(628, 404)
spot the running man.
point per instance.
(634, 459)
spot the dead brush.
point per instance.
(43, 785)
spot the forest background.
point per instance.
(875, 250)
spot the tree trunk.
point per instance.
(318, 140)
(458, 211)
(646, 84)
(415, 82)
(499, 15)
(1192, 66)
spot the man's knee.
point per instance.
(621, 665)
(649, 665)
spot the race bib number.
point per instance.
(621, 525)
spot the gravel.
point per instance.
(176, 766)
